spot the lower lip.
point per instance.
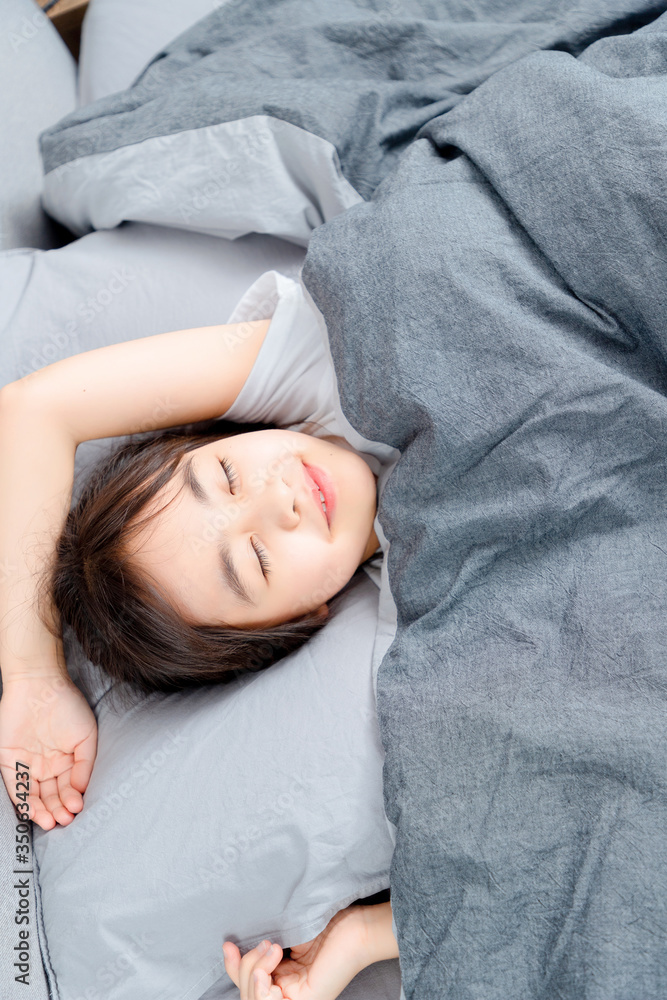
(323, 482)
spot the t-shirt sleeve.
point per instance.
(291, 381)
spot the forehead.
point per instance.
(171, 548)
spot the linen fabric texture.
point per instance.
(494, 304)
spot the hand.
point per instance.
(46, 723)
(317, 970)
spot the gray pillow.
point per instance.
(243, 811)
(111, 286)
(119, 37)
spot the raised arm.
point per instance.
(154, 382)
(146, 384)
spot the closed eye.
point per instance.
(261, 555)
(260, 552)
(230, 472)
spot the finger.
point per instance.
(51, 798)
(264, 965)
(41, 816)
(9, 778)
(263, 987)
(234, 966)
(232, 960)
(84, 758)
(260, 984)
(248, 963)
(38, 813)
(70, 797)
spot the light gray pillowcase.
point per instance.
(119, 37)
(245, 811)
(115, 285)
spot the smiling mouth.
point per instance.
(318, 494)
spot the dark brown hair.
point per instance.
(121, 621)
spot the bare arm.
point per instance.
(319, 969)
(37, 468)
(146, 384)
(379, 940)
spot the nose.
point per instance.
(272, 504)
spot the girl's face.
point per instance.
(253, 498)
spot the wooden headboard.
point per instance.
(67, 16)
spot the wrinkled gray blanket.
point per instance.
(497, 310)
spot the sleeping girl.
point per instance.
(188, 555)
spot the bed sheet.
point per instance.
(132, 281)
(495, 307)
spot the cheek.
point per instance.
(337, 570)
(310, 567)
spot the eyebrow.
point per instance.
(229, 570)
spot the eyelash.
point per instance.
(230, 473)
(261, 555)
(233, 479)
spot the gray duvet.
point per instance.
(496, 304)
